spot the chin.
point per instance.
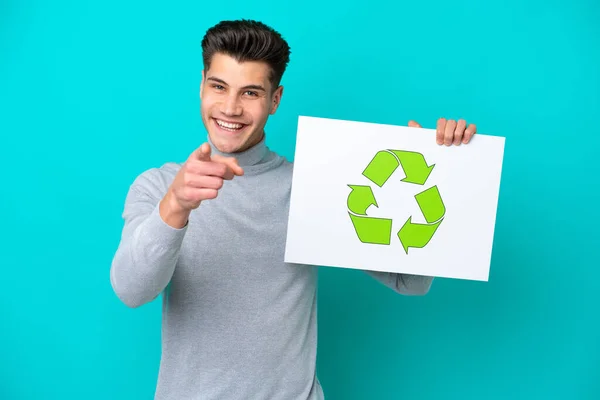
(227, 144)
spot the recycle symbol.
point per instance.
(379, 230)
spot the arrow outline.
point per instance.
(412, 154)
(436, 222)
(357, 217)
(397, 155)
(361, 218)
(408, 222)
(368, 233)
(356, 189)
(377, 158)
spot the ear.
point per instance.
(276, 100)
(202, 84)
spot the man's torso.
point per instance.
(238, 322)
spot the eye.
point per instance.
(218, 87)
(251, 93)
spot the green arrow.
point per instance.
(381, 167)
(372, 230)
(431, 204)
(360, 198)
(414, 165)
(416, 235)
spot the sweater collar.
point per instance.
(249, 157)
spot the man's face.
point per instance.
(236, 101)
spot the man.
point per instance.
(210, 233)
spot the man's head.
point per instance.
(244, 62)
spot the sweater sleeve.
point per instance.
(407, 284)
(146, 256)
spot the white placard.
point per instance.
(435, 209)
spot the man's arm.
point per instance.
(149, 248)
(157, 208)
(407, 284)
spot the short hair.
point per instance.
(248, 40)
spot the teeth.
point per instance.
(228, 125)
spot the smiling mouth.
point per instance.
(229, 126)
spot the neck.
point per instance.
(253, 143)
(250, 155)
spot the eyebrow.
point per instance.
(255, 87)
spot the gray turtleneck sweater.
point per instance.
(238, 323)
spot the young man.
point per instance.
(210, 233)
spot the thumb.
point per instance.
(231, 162)
(413, 124)
(202, 153)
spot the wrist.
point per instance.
(172, 213)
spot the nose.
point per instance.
(231, 106)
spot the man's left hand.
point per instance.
(450, 132)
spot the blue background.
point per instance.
(93, 93)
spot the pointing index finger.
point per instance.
(231, 164)
(202, 153)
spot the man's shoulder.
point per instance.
(287, 165)
(167, 170)
(283, 170)
(156, 180)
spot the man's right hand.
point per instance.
(200, 178)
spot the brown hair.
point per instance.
(248, 40)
